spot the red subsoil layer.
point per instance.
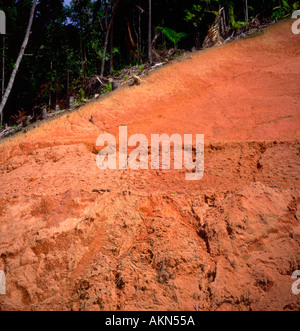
(73, 237)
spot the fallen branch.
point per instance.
(99, 80)
(9, 130)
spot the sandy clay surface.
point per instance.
(73, 237)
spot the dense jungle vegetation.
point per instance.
(71, 41)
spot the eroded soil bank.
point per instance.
(74, 237)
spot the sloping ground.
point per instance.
(74, 237)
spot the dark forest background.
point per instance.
(67, 43)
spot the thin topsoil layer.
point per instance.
(73, 237)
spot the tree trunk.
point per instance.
(50, 90)
(81, 51)
(85, 63)
(82, 55)
(19, 59)
(3, 67)
(68, 71)
(137, 39)
(111, 63)
(45, 114)
(150, 32)
(106, 14)
(106, 38)
(140, 38)
(246, 11)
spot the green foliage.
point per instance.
(284, 10)
(234, 24)
(242, 23)
(173, 36)
(80, 97)
(107, 89)
(296, 5)
(195, 15)
(141, 69)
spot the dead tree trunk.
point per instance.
(19, 59)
